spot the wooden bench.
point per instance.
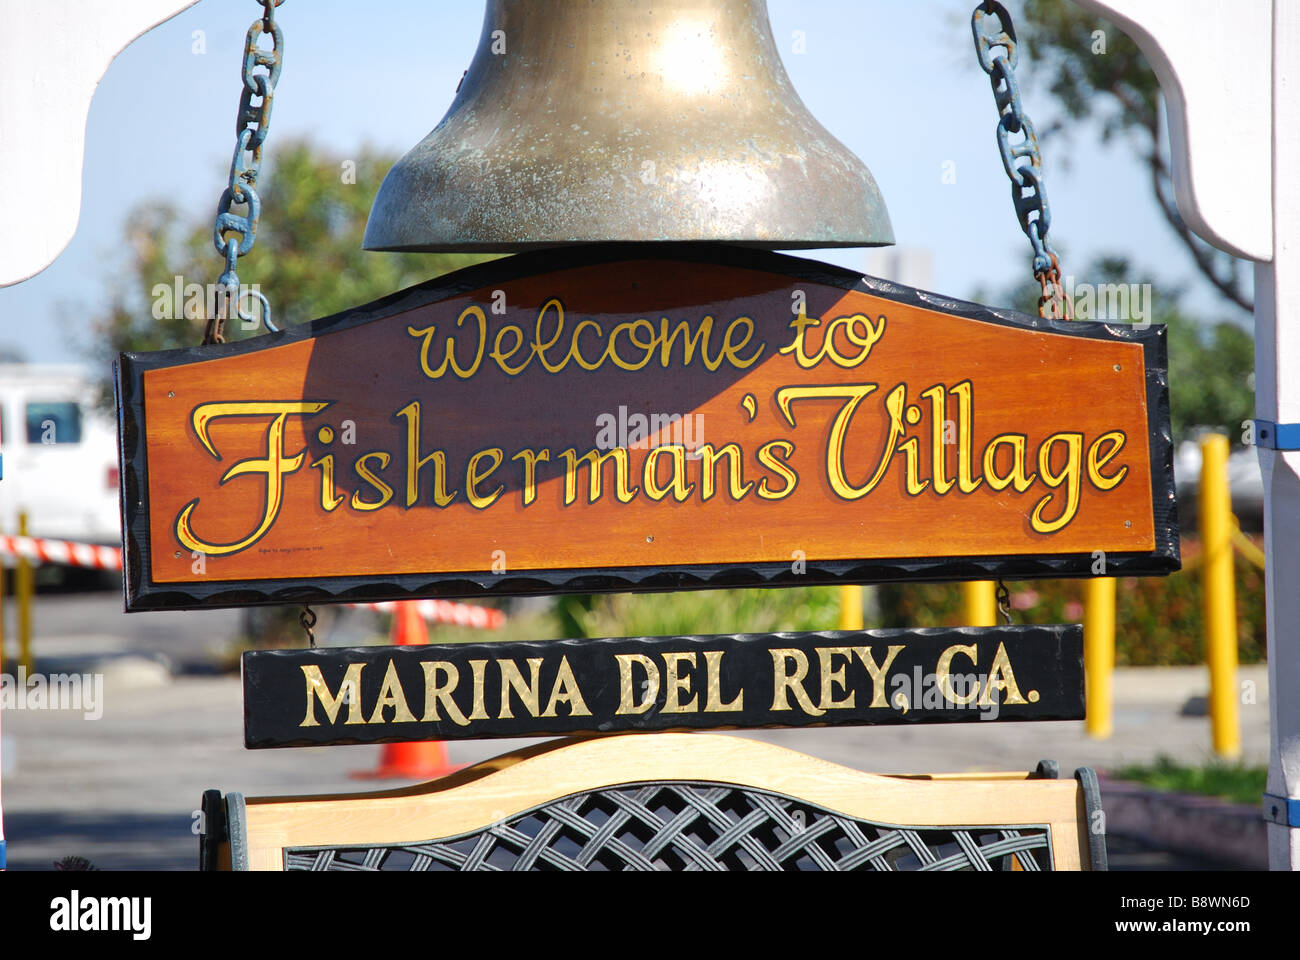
(670, 801)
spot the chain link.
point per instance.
(260, 73)
(998, 53)
(1004, 602)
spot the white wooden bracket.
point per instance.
(1230, 71)
(52, 56)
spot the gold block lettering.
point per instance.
(832, 677)
(435, 693)
(943, 672)
(713, 668)
(784, 683)
(626, 696)
(566, 690)
(349, 693)
(675, 684)
(512, 679)
(1001, 677)
(391, 695)
(878, 673)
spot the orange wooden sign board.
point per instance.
(639, 418)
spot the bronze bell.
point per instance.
(627, 120)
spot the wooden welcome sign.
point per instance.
(612, 418)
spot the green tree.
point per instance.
(1211, 365)
(1097, 73)
(307, 260)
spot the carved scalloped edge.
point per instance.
(534, 583)
(1043, 631)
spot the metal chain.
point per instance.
(308, 620)
(1004, 602)
(1021, 160)
(261, 72)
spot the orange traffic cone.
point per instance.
(421, 759)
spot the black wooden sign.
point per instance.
(297, 698)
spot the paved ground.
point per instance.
(122, 789)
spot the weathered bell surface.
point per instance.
(627, 120)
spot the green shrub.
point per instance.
(1157, 620)
(704, 611)
(1231, 781)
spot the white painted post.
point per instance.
(1277, 398)
(1234, 118)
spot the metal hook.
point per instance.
(249, 321)
(308, 620)
(1004, 603)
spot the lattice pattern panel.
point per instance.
(695, 826)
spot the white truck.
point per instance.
(59, 456)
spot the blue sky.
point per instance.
(895, 80)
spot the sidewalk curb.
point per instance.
(1232, 835)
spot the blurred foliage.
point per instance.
(1158, 620)
(609, 615)
(1096, 73)
(1211, 365)
(1112, 84)
(533, 618)
(1098, 76)
(307, 260)
(1231, 781)
(705, 611)
(1211, 378)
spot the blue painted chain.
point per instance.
(261, 72)
(1021, 159)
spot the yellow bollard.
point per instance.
(1218, 591)
(24, 587)
(850, 607)
(1099, 656)
(979, 603)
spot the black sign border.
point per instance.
(1052, 654)
(142, 593)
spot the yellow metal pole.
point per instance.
(850, 607)
(1218, 592)
(24, 586)
(979, 603)
(1099, 656)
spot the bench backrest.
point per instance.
(669, 802)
